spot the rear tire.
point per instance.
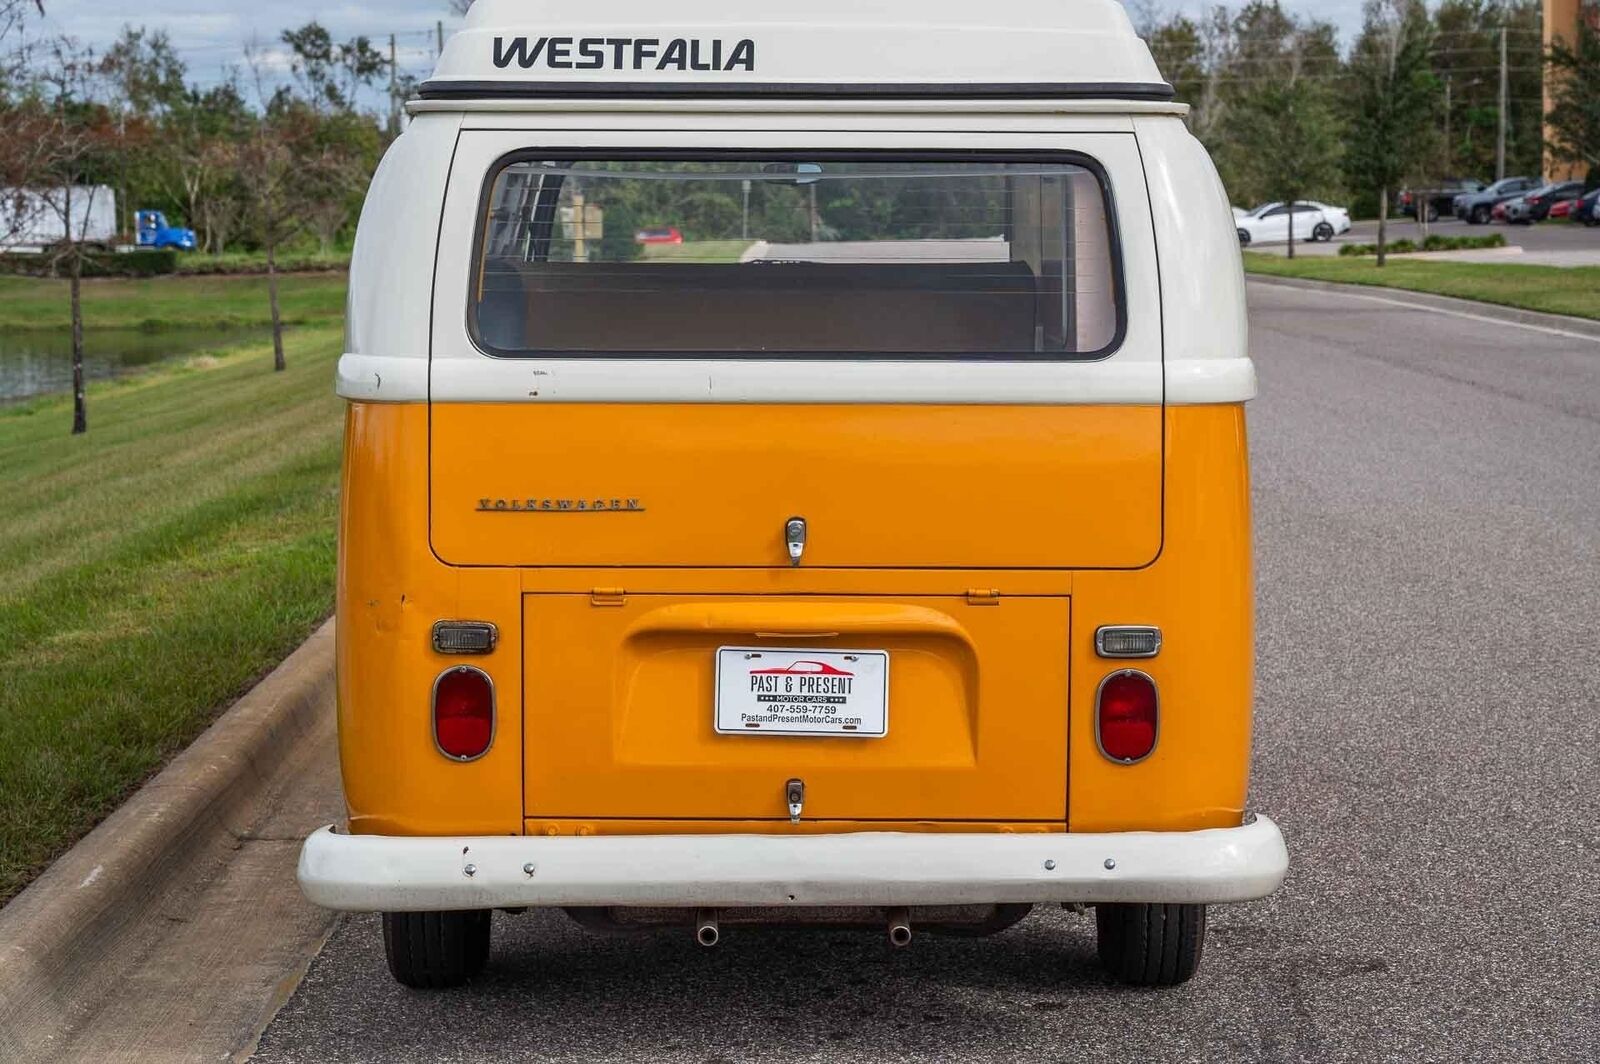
(1323, 232)
(1150, 945)
(1480, 216)
(431, 951)
(1244, 239)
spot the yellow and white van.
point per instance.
(795, 469)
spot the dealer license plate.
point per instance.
(771, 691)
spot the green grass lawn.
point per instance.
(696, 251)
(153, 569)
(1553, 289)
(170, 302)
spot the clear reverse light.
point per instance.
(464, 637)
(1127, 641)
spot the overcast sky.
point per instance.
(210, 34)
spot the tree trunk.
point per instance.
(1383, 222)
(278, 364)
(80, 409)
(1291, 228)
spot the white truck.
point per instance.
(32, 219)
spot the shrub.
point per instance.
(1432, 243)
(149, 263)
(95, 264)
(241, 262)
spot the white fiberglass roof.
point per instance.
(818, 47)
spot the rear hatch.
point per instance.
(879, 486)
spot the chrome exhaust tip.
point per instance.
(899, 928)
(705, 927)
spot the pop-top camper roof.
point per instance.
(816, 48)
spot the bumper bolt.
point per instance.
(527, 869)
(1111, 862)
(1050, 866)
(470, 870)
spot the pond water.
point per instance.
(39, 361)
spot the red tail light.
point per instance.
(463, 712)
(1127, 716)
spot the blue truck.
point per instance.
(154, 232)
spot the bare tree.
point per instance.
(71, 137)
(270, 169)
(21, 155)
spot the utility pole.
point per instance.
(438, 29)
(394, 91)
(1449, 149)
(1500, 126)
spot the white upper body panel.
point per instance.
(821, 46)
(817, 83)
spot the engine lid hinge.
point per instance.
(983, 596)
(607, 596)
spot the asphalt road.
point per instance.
(1428, 521)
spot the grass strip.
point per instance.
(1551, 289)
(151, 571)
(156, 303)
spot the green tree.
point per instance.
(1225, 61)
(332, 74)
(144, 73)
(1466, 60)
(1574, 116)
(1289, 135)
(1395, 94)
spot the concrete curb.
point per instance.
(63, 920)
(1427, 301)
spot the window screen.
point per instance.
(773, 257)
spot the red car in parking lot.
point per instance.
(665, 234)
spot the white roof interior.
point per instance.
(1078, 47)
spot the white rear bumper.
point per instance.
(398, 874)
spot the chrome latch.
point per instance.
(794, 792)
(794, 534)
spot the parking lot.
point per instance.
(1428, 574)
(1551, 243)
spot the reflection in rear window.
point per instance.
(775, 257)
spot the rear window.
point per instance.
(771, 256)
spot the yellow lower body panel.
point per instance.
(1007, 741)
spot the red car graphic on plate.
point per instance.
(803, 668)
